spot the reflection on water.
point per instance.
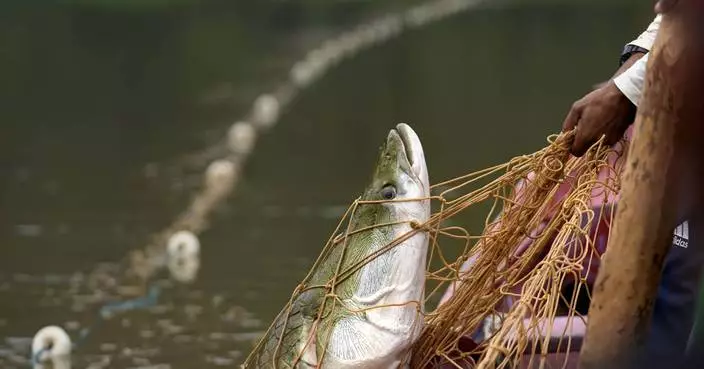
(103, 111)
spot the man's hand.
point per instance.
(604, 111)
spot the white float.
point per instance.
(51, 345)
(219, 173)
(266, 111)
(183, 256)
(241, 137)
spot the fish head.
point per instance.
(401, 172)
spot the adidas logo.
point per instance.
(681, 237)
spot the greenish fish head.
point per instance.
(401, 172)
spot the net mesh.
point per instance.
(507, 295)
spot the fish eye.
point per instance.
(388, 192)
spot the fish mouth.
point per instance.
(412, 147)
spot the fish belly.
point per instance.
(388, 311)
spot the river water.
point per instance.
(106, 112)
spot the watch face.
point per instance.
(628, 50)
(624, 57)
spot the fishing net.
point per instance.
(520, 294)
(512, 293)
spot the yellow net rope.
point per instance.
(511, 295)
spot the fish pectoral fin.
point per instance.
(355, 339)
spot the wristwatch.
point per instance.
(629, 50)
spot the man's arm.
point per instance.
(610, 109)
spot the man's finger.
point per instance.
(572, 118)
(612, 138)
(581, 140)
(579, 146)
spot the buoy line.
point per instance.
(224, 173)
(177, 247)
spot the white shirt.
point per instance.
(631, 81)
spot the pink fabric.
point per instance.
(601, 200)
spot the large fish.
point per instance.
(361, 306)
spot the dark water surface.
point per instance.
(103, 113)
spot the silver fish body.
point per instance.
(361, 306)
